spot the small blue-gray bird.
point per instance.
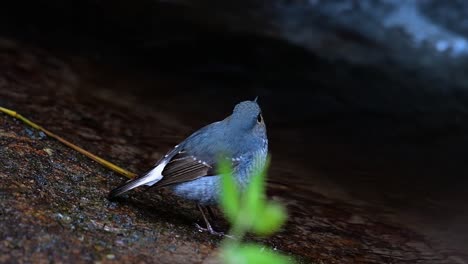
(190, 168)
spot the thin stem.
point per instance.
(238, 231)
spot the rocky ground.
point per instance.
(53, 204)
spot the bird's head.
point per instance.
(247, 116)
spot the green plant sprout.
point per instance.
(250, 212)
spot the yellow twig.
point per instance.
(88, 154)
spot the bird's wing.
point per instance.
(179, 165)
(172, 169)
(185, 167)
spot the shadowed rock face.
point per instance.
(366, 122)
(345, 205)
(415, 51)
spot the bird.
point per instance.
(190, 168)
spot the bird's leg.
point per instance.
(208, 225)
(211, 213)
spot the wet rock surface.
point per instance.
(53, 200)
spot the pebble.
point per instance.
(48, 151)
(171, 248)
(64, 219)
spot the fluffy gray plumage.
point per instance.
(190, 168)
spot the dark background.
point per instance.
(364, 100)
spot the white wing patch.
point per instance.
(155, 174)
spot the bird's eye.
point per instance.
(259, 118)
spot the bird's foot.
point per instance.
(210, 230)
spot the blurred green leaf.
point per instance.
(251, 213)
(270, 219)
(230, 193)
(254, 254)
(254, 199)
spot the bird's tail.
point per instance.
(150, 178)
